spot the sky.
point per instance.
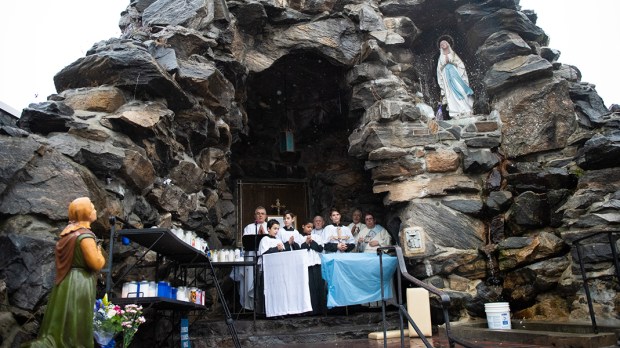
(40, 37)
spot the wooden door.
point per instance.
(288, 195)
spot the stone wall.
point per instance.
(152, 127)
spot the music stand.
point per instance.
(250, 242)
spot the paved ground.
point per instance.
(409, 343)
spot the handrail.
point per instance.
(584, 277)
(445, 301)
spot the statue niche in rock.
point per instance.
(453, 81)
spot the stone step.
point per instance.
(553, 334)
(291, 329)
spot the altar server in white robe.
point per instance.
(337, 238)
(288, 233)
(245, 274)
(314, 244)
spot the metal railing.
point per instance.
(445, 303)
(614, 252)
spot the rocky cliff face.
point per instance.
(157, 125)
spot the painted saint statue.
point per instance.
(453, 81)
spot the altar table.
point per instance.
(354, 278)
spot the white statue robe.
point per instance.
(454, 84)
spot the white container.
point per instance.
(152, 289)
(132, 289)
(182, 293)
(125, 289)
(144, 289)
(498, 315)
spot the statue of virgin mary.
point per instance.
(453, 81)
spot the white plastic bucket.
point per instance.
(498, 315)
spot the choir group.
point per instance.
(358, 236)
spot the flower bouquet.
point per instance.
(110, 319)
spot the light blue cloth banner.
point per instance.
(355, 278)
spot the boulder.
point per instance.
(28, 267)
(588, 103)
(479, 160)
(426, 187)
(467, 205)
(15, 153)
(536, 117)
(203, 79)
(510, 72)
(334, 38)
(47, 117)
(50, 181)
(125, 65)
(177, 42)
(440, 223)
(366, 71)
(193, 14)
(501, 46)
(505, 19)
(188, 176)
(251, 16)
(366, 16)
(103, 99)
(520, 251)
(395, 134)
(442, 161)
(525, 284)
(529, 211)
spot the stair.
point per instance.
(291, 329)
(547, 334)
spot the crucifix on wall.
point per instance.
(278, 206)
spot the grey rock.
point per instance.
(568, 72)
(529, 210)
(27, 264)
(165, 56)
(510, 72)
(550, 54)
(46, 117)
(49, 183)
(203, 79)
(502, 45)
(524, 284)
(183, 41)
(498, 200)
(505, 19)
(402, 26)
(366, 71)
(601, 151)
(251, 16)
(193, 14)
(516, 252)
(536, 117)
(440, 222)
(366, 16)
(124, 65)
(471, 206)
(482, 142)
(479, 161)
(543, 180)
(188, 176)
(588, 102)
(15, 153)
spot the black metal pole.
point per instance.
(108, 278)
(586, 288)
